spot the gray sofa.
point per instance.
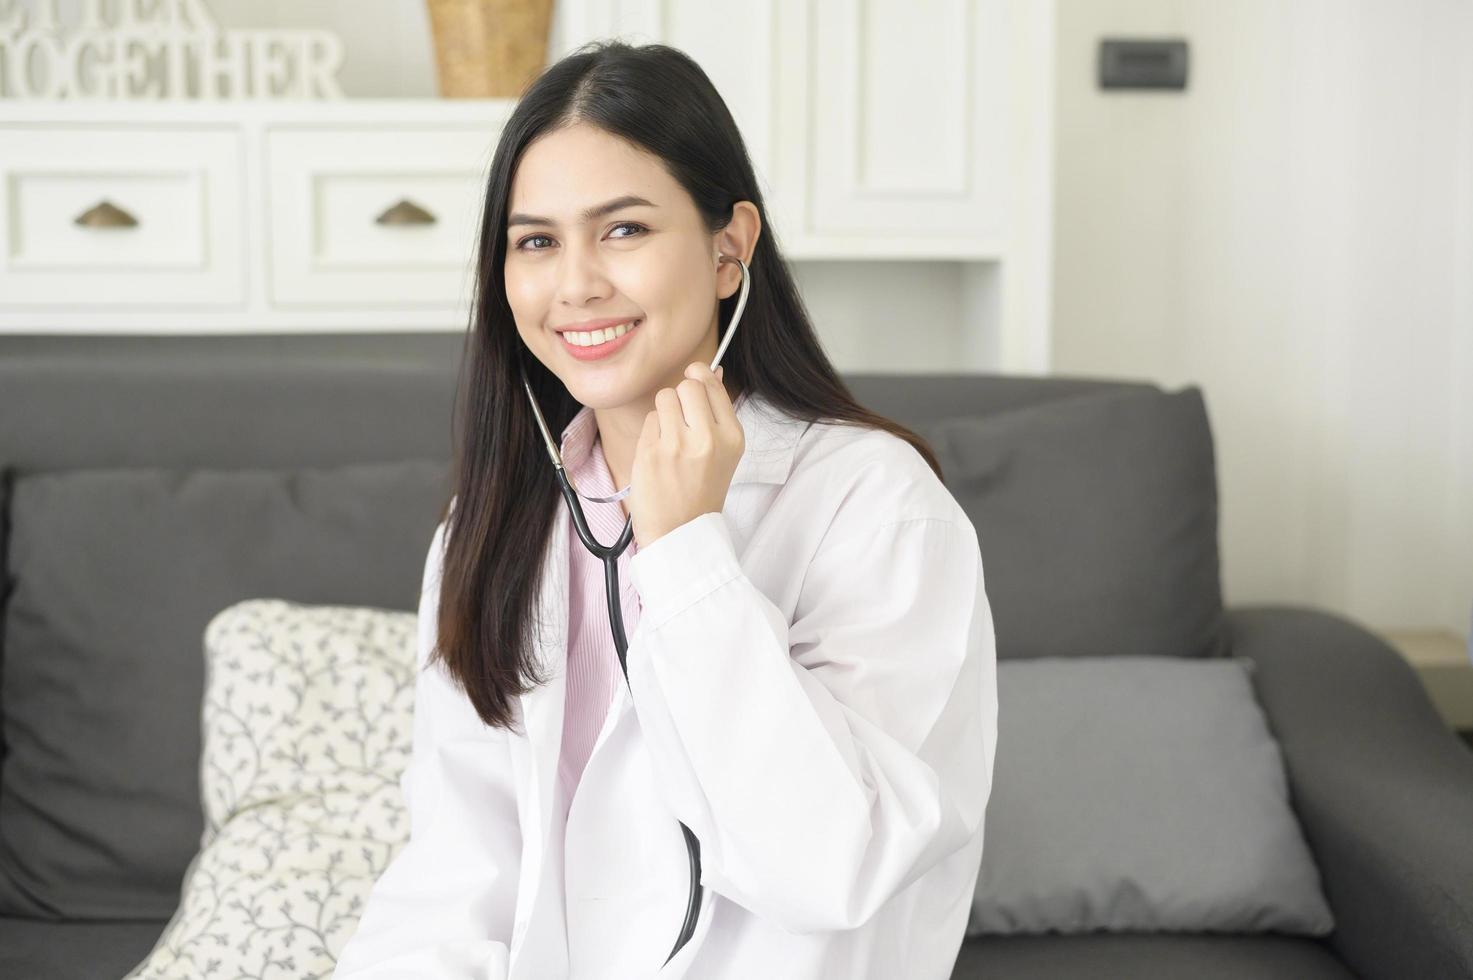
(1383, 790)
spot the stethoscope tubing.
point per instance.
(609, 555)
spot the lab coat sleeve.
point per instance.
(827, 763)
(444, 906)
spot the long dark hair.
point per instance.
(502, 489)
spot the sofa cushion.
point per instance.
(116, 573)
(1131, 956)
(308, 716)
(1097, 516)
(1140, 794)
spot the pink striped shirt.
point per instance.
(593, 663)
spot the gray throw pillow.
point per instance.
(1097, 516)
(1140, 794)
(116, 573)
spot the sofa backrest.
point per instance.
(224, 401)
(72, 402)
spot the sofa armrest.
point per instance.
(1382, 787)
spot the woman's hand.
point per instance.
(686, 456)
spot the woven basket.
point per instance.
(488, 48)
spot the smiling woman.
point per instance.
(608, 202)
(810, 686)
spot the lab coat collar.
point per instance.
(771, 442)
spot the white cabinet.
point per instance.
(879, 130)
(242, 216)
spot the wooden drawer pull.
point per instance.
(106, 215)
(406, 213)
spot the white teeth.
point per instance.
(592, 338)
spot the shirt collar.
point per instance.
(771, 437)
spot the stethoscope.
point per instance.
(610, 556)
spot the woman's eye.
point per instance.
(623, 224)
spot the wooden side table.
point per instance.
(1441, 659)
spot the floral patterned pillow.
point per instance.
(308, 716)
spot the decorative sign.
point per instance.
(159, 49)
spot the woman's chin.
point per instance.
(603, 389)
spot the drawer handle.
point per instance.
(106, 215)
(406, 213)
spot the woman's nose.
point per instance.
(581, 276)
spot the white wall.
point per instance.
(1294, 233)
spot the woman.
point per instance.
(811, 673)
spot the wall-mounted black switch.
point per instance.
(1140, 63)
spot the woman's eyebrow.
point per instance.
(587, 214)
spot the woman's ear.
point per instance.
(739, 237)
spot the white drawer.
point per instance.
(99, 216)
(382, 217)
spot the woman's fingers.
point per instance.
(700, 422)
(697, 408)
(672, 416)
(721, 405)
(723, 414)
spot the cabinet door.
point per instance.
(98, 217)
(907, 122)
(383, 216)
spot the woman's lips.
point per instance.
(599, 351)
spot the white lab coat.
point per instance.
(812, 690)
